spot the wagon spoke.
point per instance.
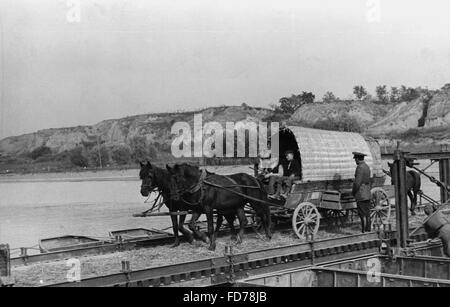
(305, 220)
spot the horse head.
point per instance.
(147, 176)
(182, 178)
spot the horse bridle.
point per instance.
(151, 187)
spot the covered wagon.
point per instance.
(328, 171)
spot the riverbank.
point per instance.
(131, 174)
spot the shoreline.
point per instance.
(131, 174)
(98, 175)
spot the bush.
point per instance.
(341, 123)
(77, 157)
(96, 153)
(140, 149)
(121, 154)
(40, 152)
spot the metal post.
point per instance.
(401, 202)
(5, 262)
(444, 177)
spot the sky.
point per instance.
(77, 62)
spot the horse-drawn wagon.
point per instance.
(328, 168)
(328, 171)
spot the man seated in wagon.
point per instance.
(285, 173)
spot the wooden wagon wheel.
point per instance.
(305, 220)
(337, 218)
(380, 208)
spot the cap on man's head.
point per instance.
(290, 151)
(358, 155)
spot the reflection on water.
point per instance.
(33, 210)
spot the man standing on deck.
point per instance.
(361, 190)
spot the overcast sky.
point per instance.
(131, 57)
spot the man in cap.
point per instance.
(361, 190)
(287, 172)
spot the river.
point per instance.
(48, 205)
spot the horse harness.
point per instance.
(200, 186)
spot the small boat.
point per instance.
(136, 234)
(67, 242)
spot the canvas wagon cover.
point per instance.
(327, 155)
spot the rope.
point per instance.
(432, 179)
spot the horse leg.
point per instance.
(183, 230)
(198, 235)
(230, 220)
(263, 212)
(210, 221)
(174, 219)
(242, 223)
(414, 203)
(219, 222)
(411, 199)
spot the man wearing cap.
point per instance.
(361, 190)
(286, 173)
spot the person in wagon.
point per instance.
(361, 190)
(285, 173)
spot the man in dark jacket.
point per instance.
(361, 190)
(287, 173)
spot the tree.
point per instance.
(307, 97)
(98, 156)
(360, 92)
(121, 154)
(382, 94)
(78, 157)
(40, 152)
(139, 149)
(408, 93)
(395, 94)
(329, 97)
(291, 104)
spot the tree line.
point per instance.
(383, 94)
(95, 153)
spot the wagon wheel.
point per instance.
(305, 220)
(338, 218)
(380, 208)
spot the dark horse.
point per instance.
(413, 184)
(188, 185)
(158, 178)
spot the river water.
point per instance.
(52, 205)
